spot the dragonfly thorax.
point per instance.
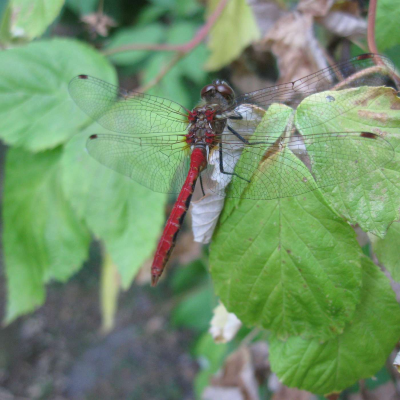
(204, 128)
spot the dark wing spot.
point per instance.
(93, 136)
(83, 77)
(365, 56)
(368, 135)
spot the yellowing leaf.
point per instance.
(31, 18)
(234, 31)
(110, 285)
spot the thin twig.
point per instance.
(360, 74)
(162, 73)
(181, 50)
(250, 336)
(371, 27)
(184, 48)
(371, 39)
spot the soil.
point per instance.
(59, 353)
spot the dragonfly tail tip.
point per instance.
(154, 280)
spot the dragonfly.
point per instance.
(169, 148)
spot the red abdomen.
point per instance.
(198, 162)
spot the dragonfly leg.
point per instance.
(221, 166)
(201, 185)
(242, 139)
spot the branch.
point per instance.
(371, 38)
(371, 27)
(182, 48)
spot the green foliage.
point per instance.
(233, 32)
(373, 200)
(210, 357)
(387, 28)
(126, 216)
(35, 108)
(174, 85)
(147, 34)
(195, 311)
(387, 250)
(357, 353)
(43, 238)
(29, 19)
(290, 265)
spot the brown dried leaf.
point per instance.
(99, 23)
(292, 41)
(266, 14)
(259, 354)
(285, 393)
(316, 8)
(344, 24)
(238, 372)
(222, 393)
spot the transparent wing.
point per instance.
(127, 112)
(353, 73)
(160, 163)
(284, 167)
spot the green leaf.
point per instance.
(125, 215)
(82, 7)
(235, 29)
(210, 357)
(358, 353)
(387, 29)
(36, 111)
(291, 264)
(31, 18)
(195, 310)
(373, 200)
(43, 239)
(149, 34)
(173, 85)
(387, 250)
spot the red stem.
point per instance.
(371, 27)
(181, 48)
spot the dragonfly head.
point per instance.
(218, 92)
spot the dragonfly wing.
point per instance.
(127, 112)
(278, 168)
(353, 73)
(160, 163)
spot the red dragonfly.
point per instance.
(167, 147)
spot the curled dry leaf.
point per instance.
(285, 393)
(293, 42)
(396, 362)
(344, 24)
(316, 8)
(99, 23)
(260, 356)
(237, 373)
(266, 13)
(224, 325)
(205, 214)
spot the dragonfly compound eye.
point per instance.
(225, 90)
(207, 89)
